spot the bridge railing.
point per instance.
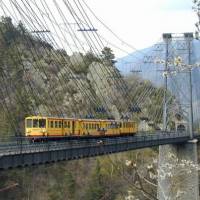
(21, 145)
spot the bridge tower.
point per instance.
(177, 166)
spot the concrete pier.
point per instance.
(178, 172)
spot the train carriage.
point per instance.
(39, 127)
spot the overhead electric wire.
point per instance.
(38, 65)
(90, 95)
(121, 40)
(82, 88)
(91, 47)
(94, 45)
(30, 87)
(94, 33)
(90, 25)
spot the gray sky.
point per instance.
(138, 22)
(142, 22)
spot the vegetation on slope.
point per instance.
(37, 78)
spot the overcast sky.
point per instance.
(138, 22)
(142, 22)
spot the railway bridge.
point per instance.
(17, 152)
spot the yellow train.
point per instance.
(50, 127)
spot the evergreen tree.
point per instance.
(108, 56)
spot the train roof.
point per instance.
(80, 119)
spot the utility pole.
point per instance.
(166, 37)
(189, 38)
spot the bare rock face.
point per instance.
(107, 85)
(78, 62)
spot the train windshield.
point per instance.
(29, 123)
(39, 123)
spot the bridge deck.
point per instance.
(20, 153)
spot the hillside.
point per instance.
(36, 78)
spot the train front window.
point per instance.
(29, 123)
(42, 123)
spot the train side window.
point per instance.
(60, 124)
(51, 124)
(35, 123)
(29, 123)
(65, 124)
(42, 123)
(56, 124)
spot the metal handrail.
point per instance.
(20, 145)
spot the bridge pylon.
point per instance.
(178, 172)
(178, 166)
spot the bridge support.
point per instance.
(178, 172)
